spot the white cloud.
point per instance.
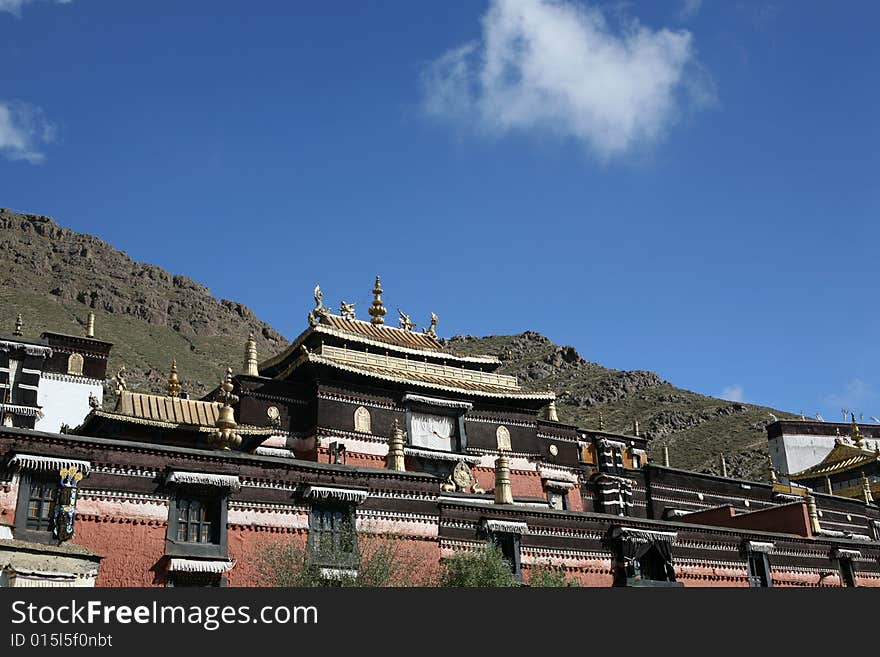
(14, 6)
(857, 394)
(689, 9)
(733, 393)
(24, 130)
(558, 67)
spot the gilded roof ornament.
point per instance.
(550, 413)
(431, 331)
(172, 388)
(18, 326)
(377, 309)
(866, 489)
(856, 432)
(90, 326)
(226, 438)
(319, 311)
(119, 380)
(346, 310)
(405, 322)
(250, 357)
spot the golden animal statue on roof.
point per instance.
(319, 311)
(405, 322)
(431, 331)
(346, 310)
(119, 380)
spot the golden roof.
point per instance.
(382, 333)
(169, 412)
(842, 458)
(413, 372)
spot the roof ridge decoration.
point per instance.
(173, 386)
(377, 309)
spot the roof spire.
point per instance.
(18, 325)
(90, 326)
(550, 409)
(226, 438)
(723, 463)
(866, 489)
(665, 456)
(856, 433)
(377, 310)
(173, 386)
(250, 357)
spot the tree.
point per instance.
(484, 567)
(548, 575)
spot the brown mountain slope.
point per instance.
(54, 276)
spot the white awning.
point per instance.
(280, 452)
(838, 553)
(333, 493)
(558, 485)
(205, 479)
(200, 566)
(434, 401)
(758, 546)
(506, 526)
(632, 534)
(24, 411)
(48, 463)
(29, 349)
(557, 475)
(440, 456)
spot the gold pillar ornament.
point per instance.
(856, 432)
(813, 512)
(90, 326)
(550, 410)
(377, 309)
(866, 489)
(665, 456)
(19, 324)
(828, 488)
(225, 438)
(722, 462)
(636, 428)
(395, 449)
(771, 470)
(250, 357)
(172, 388)
(601, 421)
(503, 492)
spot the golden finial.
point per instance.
(90, 326)
(636, 428)
(395, 459)
(250, 357)
(18, 325)
(226, 438)
(665, 456)
(377, 310)
(771, 470)
(813, 513)
(173, 386)
(856, 432)
(601, 421)
(723, 463)
(866, 489)
(550, 409)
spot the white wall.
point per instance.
(65, 400)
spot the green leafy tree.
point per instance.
(548, 575)
(484, 567)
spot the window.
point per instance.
(433, 432)
(42, 496)
(332, 536)
(644, 558)
(847, 572)
(197, 521)
(759, 570)
(558, 499)
(509, 546)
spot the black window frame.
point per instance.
(510, 544)
(22, 526)
(217, 499)
(760, 574)
(847, 570)
(460, 439)
(344, 552)
(563, 495)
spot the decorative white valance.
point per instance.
(557, 475)
(558, 485)
(274, 451)
(333, 493)
(26, 411)
(758, 546)
(200, 566)
(440, 456)
(843, 553)
(48, 463)
(29, 349)
(506, 526)
(434, 401)
(205, 479)
(432, 431)
(642, 535)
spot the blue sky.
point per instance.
(689, 187)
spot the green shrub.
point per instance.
(549, 576)
(484, 567)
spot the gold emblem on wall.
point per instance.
(502, 438)
(362, 422)
(75, 364)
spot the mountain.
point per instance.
(54, 277)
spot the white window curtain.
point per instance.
(433, 431)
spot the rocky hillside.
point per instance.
(54, 276)
(695, 428)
